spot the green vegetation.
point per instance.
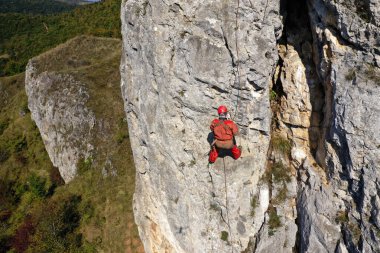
(274, 220)
(372, 73)
(281, 144)
(351, 74)
(341, 217)
(27, 177)
(215, 207)
(94, 211)
(281, 195)
(254, 204)
(24, 36)
(273, 95)
(192, 163)
(277, 173)
(34, 6)
(84, 165)
(38, 212)
(224, 236)
(122, 133)
(355, 231)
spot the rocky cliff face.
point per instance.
(60, 103)
(301, 81)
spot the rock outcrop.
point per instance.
(301, 80)
(60, 103)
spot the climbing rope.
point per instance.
(237, 57)
(226, 195)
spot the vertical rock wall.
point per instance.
(346, 53)
(179, 64)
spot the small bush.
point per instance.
(341, 217)
(55, 177)
(272, 95)
(87, 210)
(274, 220)
(120, 136)
(4, 154)
(254, 204)
(181, 93)
(281, 144)
(3, 125)
(21, 159)
(372, 74)
(84, 165)
(19, 143)
(280, 173)
(24, 107)
(355, 231)
(192, 163)
(215, 207)
(21, 239)
(351, 74)
(37, 186)
(56, 224)
(224, 236)
(281, 195)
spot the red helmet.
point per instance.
(222, 109)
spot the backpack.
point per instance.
(222, 131)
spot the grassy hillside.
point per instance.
(24, 36)
(34, 6)
(93, 213)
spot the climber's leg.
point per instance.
(236, 152)
(213, 155)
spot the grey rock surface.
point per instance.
(60, 89)
(180, 62)
(346, 47)
(58, 106)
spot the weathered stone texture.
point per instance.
(58, 106)
(346, 53)
(61, 89)
(180, 63)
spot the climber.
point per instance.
(224, 131)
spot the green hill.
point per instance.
(34, 6)
(38, 213)
(24, 36)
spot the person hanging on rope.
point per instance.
(224, 131)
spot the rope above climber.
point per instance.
(224, 131)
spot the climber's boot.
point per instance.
(213, 155)
(236, 152)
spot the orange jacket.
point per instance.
(224, 129)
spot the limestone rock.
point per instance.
(60, 102)
(57, 103)
(179, 64)
(182, 59)
(346, 55)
